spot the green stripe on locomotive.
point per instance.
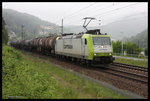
(88, 37)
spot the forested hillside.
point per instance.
(140, 39)
(32, 26)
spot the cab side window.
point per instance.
(85, 42)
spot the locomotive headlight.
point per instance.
(102, 46)
(109, 53)
(94, 54)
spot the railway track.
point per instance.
(124, 74)
(130, 66)
(111, 69)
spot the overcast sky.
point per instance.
(74, 12)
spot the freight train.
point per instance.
(89, 47)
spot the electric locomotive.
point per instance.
(91, 46)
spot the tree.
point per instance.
(146, 51)
(4, 33)
(117, 46)
(131, 48)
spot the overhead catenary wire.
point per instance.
(106, 7)
(103, 8)
(115, 9)
(60, 18)
(110, 11)
(79, 10)
(72, 15)
(75, 12)
(82, 10)
(104, 13)
(93, 11)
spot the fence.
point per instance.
(131, 55)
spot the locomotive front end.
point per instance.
(102, 49)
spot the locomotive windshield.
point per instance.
(101, 41)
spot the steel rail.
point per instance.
(130, 66)
(122, 75)
(127, 77)
(130, 73)
(126, 74)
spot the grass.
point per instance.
(76, 87)
(132, 62)
(27, 77)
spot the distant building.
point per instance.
(11, 35)
(142, 54)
